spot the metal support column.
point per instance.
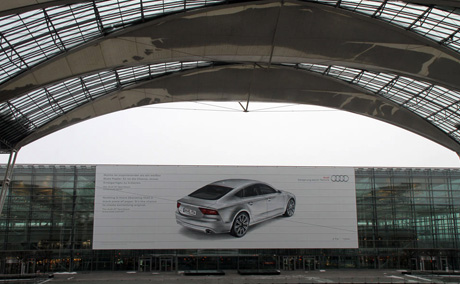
(7, 178)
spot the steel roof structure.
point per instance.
(66, 61)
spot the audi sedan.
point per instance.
(232, 205)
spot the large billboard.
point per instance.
(226, 207)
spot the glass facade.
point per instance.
(407, 218)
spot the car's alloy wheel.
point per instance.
(240, 225)
(290, 208)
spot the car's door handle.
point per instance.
(250, 203)
(269, 199)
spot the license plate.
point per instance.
(189, 211)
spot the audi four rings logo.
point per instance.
(339, 178)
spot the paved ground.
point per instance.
(232, 277)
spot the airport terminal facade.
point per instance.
(407, 218)
(67, 61)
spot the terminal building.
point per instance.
(406, 218)
(66, 61)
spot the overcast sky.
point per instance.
(222, 134)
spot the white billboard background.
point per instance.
(135, 208)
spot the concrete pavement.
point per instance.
(232, 277)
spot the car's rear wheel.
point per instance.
(290, 208)
(240, 225)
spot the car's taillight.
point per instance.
(178, 204)
(206, 211)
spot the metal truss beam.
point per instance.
(7, 178)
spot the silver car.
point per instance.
(232, 205)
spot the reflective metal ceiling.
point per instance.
(32, 35)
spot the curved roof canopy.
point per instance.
(65, 61)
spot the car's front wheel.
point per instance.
(240, 225)
(290, 208)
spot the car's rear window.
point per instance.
(210, 192)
